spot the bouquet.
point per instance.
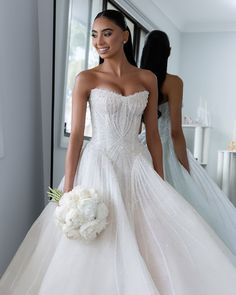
(80, 213)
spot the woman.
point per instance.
(155, 243)
(181, 170)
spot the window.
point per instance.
(80, 54)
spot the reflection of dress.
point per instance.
(198, 189)
(155, 244)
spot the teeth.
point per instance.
(102, 50)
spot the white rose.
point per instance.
(70, 232)
(73, 218)
(81, 213)
(88, 208)
(73, 235)
(80, 192)
(93, 192)
(85, 194)
(101, 225)
(67, 199)
(102, 211)
(60, 213)
(90, 230)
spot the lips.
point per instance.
(102, 50)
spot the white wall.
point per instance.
(21, 168)
(155, 19)
(45, 29)
(208, 68)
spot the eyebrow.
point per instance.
(107, 29)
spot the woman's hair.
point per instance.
(155, 54)
(118, 18)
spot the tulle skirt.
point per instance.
(203, 194)
(155, 243)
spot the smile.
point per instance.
(103, 50)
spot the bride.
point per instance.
(155, 242)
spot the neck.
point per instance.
(116, 66)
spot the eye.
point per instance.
(107, 33)
(94, 35)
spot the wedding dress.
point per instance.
(197, 187)
(155, 242)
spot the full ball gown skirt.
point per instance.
(197, 187)
(155, 243)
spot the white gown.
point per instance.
(198, 188)
(155, 243)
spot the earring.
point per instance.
(124, 42)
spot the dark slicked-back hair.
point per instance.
(118, 18)
(155, 55)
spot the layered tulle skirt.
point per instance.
(155, 242)
(203, 194)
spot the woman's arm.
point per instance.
(79, 103)
(150, 121)
(175, 96)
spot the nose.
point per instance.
(100, 40)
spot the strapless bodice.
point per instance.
(116, 120)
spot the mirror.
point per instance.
(205, 61)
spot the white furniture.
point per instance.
(201, 142)
(226, 173)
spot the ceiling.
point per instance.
(200, 15)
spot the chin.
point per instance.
(104, 55)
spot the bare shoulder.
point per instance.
(173, 89)
(147, 74)
(86, 76)
(174, 80)
(148, 78)
(85, 81)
